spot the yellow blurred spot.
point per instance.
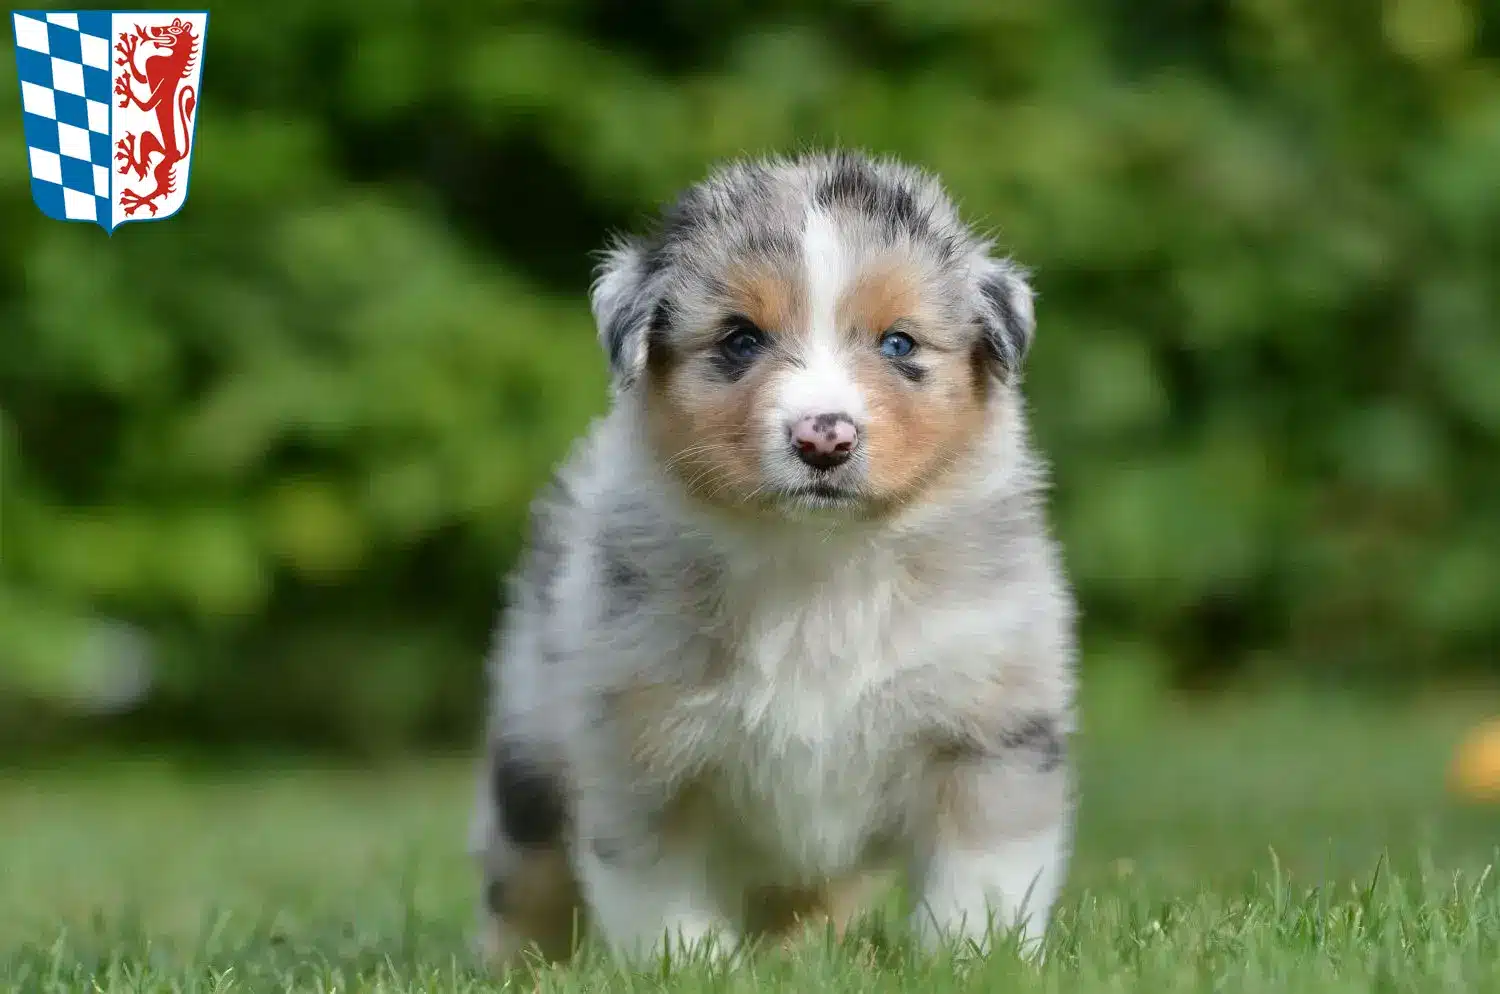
(314, 528)
(1429, 30)
(1476, 768)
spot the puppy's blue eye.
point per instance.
(896, 345)
(744, 343)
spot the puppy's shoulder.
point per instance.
(603, 539)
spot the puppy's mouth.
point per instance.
(819, 495)
(823, 491)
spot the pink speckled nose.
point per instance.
(824, 441)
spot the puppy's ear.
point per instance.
(624, 303)
(1007, 313)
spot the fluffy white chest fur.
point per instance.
(794, 730)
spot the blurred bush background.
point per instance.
(261, 466)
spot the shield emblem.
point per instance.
(110, 103)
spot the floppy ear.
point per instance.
(1007, 313)
(623, 304)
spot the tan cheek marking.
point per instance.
(703, 430)
(916, 433)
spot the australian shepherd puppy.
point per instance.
(790, 614)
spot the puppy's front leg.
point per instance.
(650, 883)
(995, 848)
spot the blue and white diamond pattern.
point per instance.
(64, 64)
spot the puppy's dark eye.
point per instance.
(896, 345)
(744, 342)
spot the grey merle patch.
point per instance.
(625, 583)
(1008, 335)
(854, 184)
(544, 553)
(1039, 736)
(494, 896)
(528, 798)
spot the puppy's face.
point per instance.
(819, 335)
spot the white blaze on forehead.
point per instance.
(824, 383)
(825, 266)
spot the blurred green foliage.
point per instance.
(280, 447)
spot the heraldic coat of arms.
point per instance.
(109, 102)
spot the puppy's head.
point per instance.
(815, 334)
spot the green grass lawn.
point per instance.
(1232, 849)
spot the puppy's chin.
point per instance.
(842, 495)
(808, 499)
(818, 500)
